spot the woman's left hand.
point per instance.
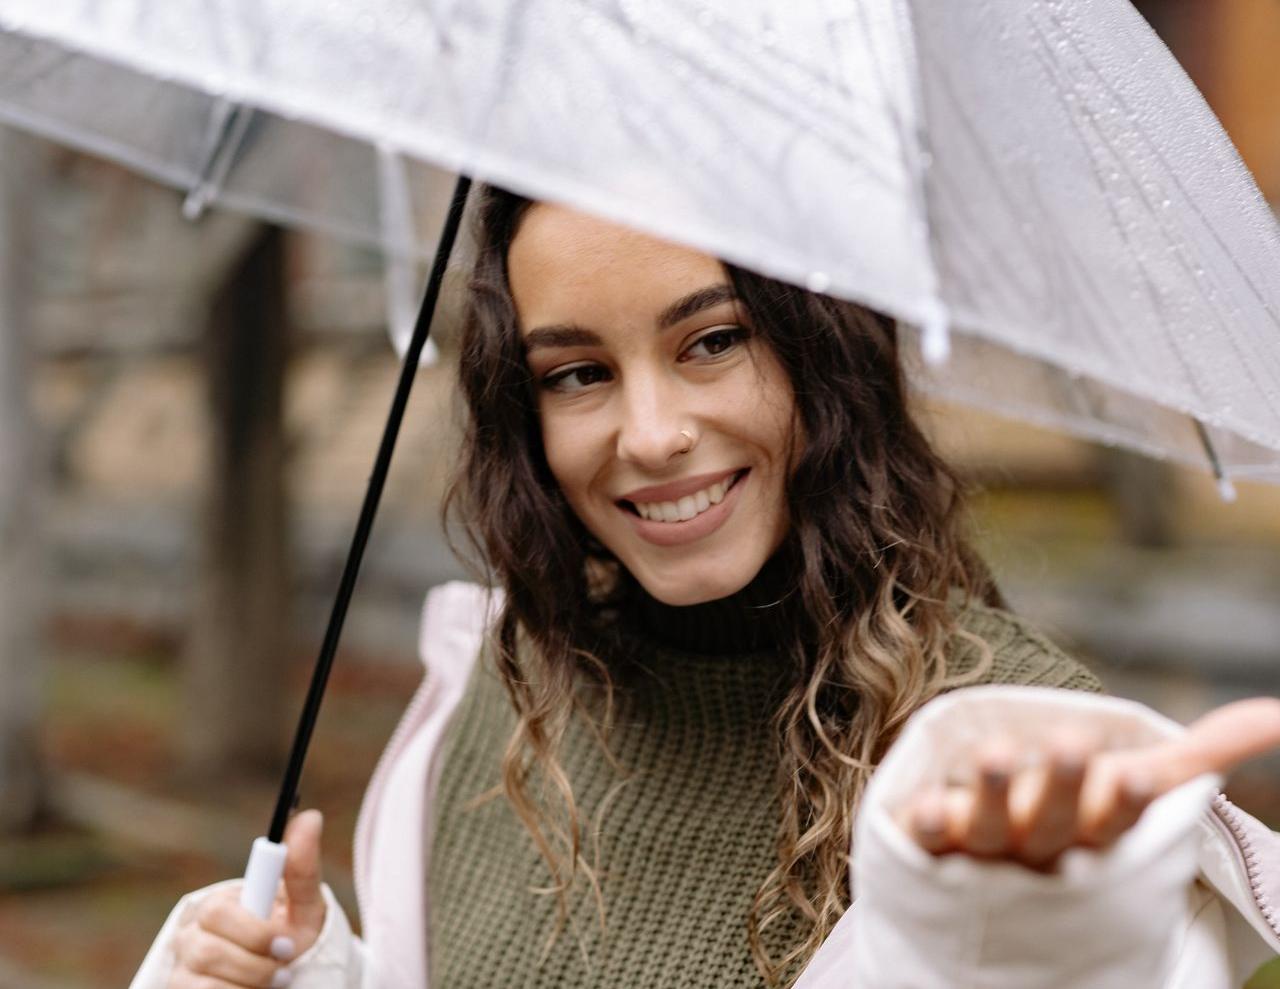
(1078, 795)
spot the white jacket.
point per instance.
(1189, 898)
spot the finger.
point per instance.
(1221, 740)
(221, 914)
(1051, 826)
(206, 954)
(1130, 797)
(302, 870)
(989, 830)
(927, 821)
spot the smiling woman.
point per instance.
(733, 580)
(613, 378)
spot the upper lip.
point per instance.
(678, 489)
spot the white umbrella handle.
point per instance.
(262, 876)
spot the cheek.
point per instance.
(570, 453)
(773, 406)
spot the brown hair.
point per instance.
(875, 550)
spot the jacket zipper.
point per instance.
(1227, 813)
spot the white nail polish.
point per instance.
(282, 947)
(281, 979)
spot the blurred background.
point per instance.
(188, 415)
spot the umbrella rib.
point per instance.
(360, 539)
(229, 126)
(1215, 464)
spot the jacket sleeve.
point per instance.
(1123, 917)
(335, 961)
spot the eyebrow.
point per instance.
(694, 303)
(572, 335)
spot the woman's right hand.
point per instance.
(221, 945)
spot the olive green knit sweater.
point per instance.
(685, 840)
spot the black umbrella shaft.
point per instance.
(377, 480)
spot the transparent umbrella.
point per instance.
(1034, 186)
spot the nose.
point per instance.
(652, 416)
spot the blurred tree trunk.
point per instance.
(22, 478)
(1145, 494)
(236, 661)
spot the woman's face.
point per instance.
(666, 420)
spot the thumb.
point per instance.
(1216, 743)
(1234, 733)
(302, 870)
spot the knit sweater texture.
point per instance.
(685, 832)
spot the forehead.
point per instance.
(563, 264)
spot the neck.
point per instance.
(753, 619)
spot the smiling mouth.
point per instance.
(687, 508)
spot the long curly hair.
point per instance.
(876, 551)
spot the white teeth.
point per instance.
(687, 507)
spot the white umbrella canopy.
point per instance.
(1033, 183)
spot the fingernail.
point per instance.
(996, 776)
(282, 947)
(281, 979)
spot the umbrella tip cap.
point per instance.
(193, 206)
(936, 344)
(1226, 490)
(935, 333)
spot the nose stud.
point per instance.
(688, 441)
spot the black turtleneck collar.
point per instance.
(754, 619)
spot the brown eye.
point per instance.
(575, 378)
(716, 342)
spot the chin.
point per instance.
(696, 582)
